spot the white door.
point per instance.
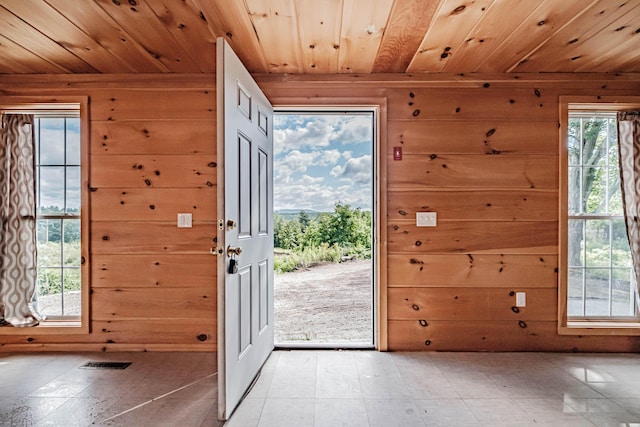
(245, 195)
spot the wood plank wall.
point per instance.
(153, 155)
(483, 153)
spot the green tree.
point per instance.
(588, 138)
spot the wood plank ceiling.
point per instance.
(320, 36)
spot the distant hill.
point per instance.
(292, 213)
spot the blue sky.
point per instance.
(51, 155)
(321, 159)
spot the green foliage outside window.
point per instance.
(329, 237)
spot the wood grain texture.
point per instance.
(149, 171)
(231, 20)
(143, 237)
(153, 204)
(159, 303)
(473, 137)
(487, 103)
(494, 237)
(161, 105)
(154, 271)
(410, 335)
(474, 205)
(92, 21)
(156, 37)
(496, 171)
(153, 137)
(449, 29)
(405, 29)
(573, 46)
(56, 27)
(470, 304)
(360, 39)
(472, 270)
(533, 33)
(276, 24)
(319, 28)
(412, 37)
(199, 333)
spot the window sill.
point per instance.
(600, 328)
(48, 327)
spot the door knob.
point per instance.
(231, 251)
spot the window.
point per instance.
(601, 282)
(596, 279)
(57, 140)
(60, 132)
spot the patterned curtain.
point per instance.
(17, 214)
(629, 152)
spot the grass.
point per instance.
(290, 260)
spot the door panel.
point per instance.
(245, 198)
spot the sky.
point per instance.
(51, 158)
(322, 159)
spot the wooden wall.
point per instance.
(153, 155)
(482, 152)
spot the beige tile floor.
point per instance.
(326, 388)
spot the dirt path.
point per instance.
(327, 303)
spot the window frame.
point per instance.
(40, 106)
(594, 326)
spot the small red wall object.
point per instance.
(397, 153)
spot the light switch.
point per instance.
(521, 299)
(184, 220)
(426, 219)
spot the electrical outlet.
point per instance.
(184, 220)
(521, 299)
(426, 219)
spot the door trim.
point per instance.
(379, 106)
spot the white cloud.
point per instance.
(357, 169)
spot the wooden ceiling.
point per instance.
(320, 36)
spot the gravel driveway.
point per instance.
(330, 303)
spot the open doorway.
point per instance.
(323, 227)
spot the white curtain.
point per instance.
(629, 152)
(18, 217)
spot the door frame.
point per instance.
(379, 150)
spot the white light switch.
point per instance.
(521, 299)
(184, 220)
(426, 219)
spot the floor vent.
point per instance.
(106, 365)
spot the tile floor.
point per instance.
(326, 388)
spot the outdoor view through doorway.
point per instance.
(323, 228)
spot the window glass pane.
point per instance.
(594, 184)
(597, 247)
(597, 292)
(72, 242)
(575, 292)
(621, 255)
(615, 194)
(51, 141)
(575, 245)
(73, 190)
(575, 183)
(574, 142)
(51, 190)
(73, 141)
(49, 288)
(622, 292)
(49, 244)
(71, 292)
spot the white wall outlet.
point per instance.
(426, 219)
(521, 299)
(184, 220)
